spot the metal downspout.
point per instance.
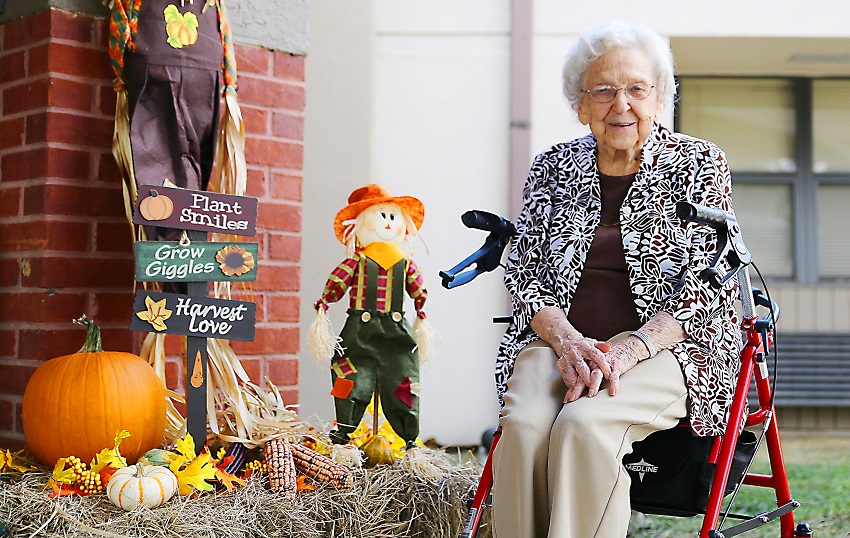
(520, 102)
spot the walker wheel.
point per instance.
(803, 529)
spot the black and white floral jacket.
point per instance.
(663, 254)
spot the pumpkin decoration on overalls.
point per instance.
(377, 352)
(173, 60)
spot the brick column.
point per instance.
(65, 244)
(272, 97)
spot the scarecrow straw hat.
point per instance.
(370, 195)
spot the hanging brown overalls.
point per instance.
(174, 87)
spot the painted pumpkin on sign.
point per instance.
(141, 485)
(75, 404)
(156, 206)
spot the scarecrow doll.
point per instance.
(376, 352)
(173, 61)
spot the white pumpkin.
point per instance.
(141, 485)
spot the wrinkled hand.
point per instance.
(583, 364)
(621, 360)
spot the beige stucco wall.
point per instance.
(402, 95)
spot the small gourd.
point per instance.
(157, 456)
(141, 485)
(378, 450)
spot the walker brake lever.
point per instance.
(488, 256)
(730, 241)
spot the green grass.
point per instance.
(819, 474)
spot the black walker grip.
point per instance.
(712, 216)
(482, 220)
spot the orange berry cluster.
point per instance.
(77, 466)
(90, 483)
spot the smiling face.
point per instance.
(622, 126)
(381, 222)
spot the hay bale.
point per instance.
(386, 501)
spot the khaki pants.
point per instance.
(558, 467)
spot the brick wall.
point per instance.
(65, 244)
(272, 97)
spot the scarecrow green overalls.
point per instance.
(379, 351)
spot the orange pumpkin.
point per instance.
(75, 404)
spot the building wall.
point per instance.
(276, 25)
(418, 101)
(65, 245)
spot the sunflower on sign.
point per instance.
(234, 261)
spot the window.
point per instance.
(789, 152)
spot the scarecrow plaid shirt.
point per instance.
(350, 275)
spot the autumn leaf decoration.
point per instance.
(301, 484)
(225, 478)
(192, 471)
(156, 313)
(182, 29)
(234, 261)
(62, 480)
(110, 457)
(14, 462)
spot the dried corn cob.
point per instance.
(239, 453)
(321, 468)
(281, 467)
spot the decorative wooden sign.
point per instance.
(196, 210)
(200, 316)
(161, 261)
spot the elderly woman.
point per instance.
(614, 334)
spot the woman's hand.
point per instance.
(577, 354)
(622, 358)
(583, 365)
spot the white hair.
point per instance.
(598, 40)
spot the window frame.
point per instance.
(804, 182)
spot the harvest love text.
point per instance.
(221, 316)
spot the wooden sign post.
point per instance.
(196, 262)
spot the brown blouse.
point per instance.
(603, 305)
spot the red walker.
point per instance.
(753, 356)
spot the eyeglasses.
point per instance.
(605, 94)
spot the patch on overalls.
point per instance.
(342, 388)
(343, 367)
(181, 28)
(403, 392)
